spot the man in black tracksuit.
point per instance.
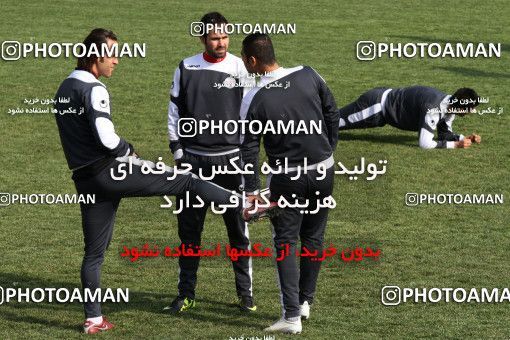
(304, 98)
(208, 87)
(416, 108)
(94, 152)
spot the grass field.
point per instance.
(424, 246)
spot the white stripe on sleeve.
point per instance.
(106, 133)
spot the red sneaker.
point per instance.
(92, 328)
(249, 215)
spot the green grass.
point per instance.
(425, 246)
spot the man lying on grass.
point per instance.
(417, 108)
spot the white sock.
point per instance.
(97, 320)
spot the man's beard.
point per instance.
(216, 54)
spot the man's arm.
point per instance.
(98, 114)
(250, 146)
(426, 139)
(445, 131)
(329, 111)
(173, 116)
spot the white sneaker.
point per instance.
(285, 326)
(305, 310)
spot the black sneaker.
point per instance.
(246, 304)
(180, 304)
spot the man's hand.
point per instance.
(252, 198)
(474, 138)
(255, 211)
(463, 144)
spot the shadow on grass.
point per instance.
(16, 317)
(474, 73)
(376, 138)
(209, 310)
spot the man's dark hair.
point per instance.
(214, 18)
(98, 37)
(259, 46)
(464, 98)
